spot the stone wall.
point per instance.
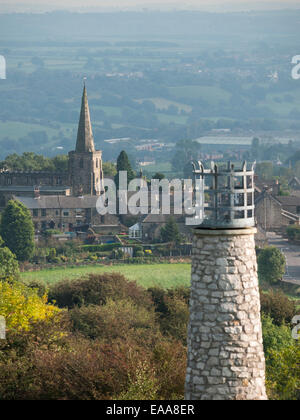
(268, 213)
(225, 352)
(8, 178)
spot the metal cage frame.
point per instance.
(222, 200)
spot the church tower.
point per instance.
(85, 163)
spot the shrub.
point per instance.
(143, 386)
(117, 254)
(173, 311)
(21, 306)
(275, 337)
(9, 267)
(283, 373)
(96, 289)
(38, 286)
(121, 319)
(175, 322)
(82, 371)
(169, 361)
(139, 254)
(293, 232)
(278, 306)
(271, 265)
(100, 248)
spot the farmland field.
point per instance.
(163, 275)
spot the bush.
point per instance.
(271, 265)
(278, 306)
(275, 337)
(283, 373)
(96, 289)
(9, 267)
(89, 371)
(21, 306)
(143, 386)
(293, 232)
(169, 361)
(100, 248)
(139, 254)
(173, 311)
(121, 319)
(38, 286)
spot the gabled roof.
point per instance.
(85, 139)
(290, 200)
(59, 202)
(162, 218)
(268, 195)
(295, 180)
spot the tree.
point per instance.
(255, 148)
(109, 169)
(271, 265)
(17, 230)
(159, 176)
(186, 151)
(123, 164)
(9, 267)
(265, 170)
(170, 232)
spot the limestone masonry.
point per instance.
(225, 351)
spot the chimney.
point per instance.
(225, 349)
(37, 194)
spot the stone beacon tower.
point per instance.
(85, 164)
(225, 350)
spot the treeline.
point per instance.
(29, 161)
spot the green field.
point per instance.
(162, 103)
(163, 275)
(211, 94)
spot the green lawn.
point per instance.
(164, 275)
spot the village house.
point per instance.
(65, 201)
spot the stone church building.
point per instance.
(65, 201)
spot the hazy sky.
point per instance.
(124, 4)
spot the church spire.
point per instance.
(85, 139)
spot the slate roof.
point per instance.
(162, 218)
(59, 202)
(21, 188)
(290, 200)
